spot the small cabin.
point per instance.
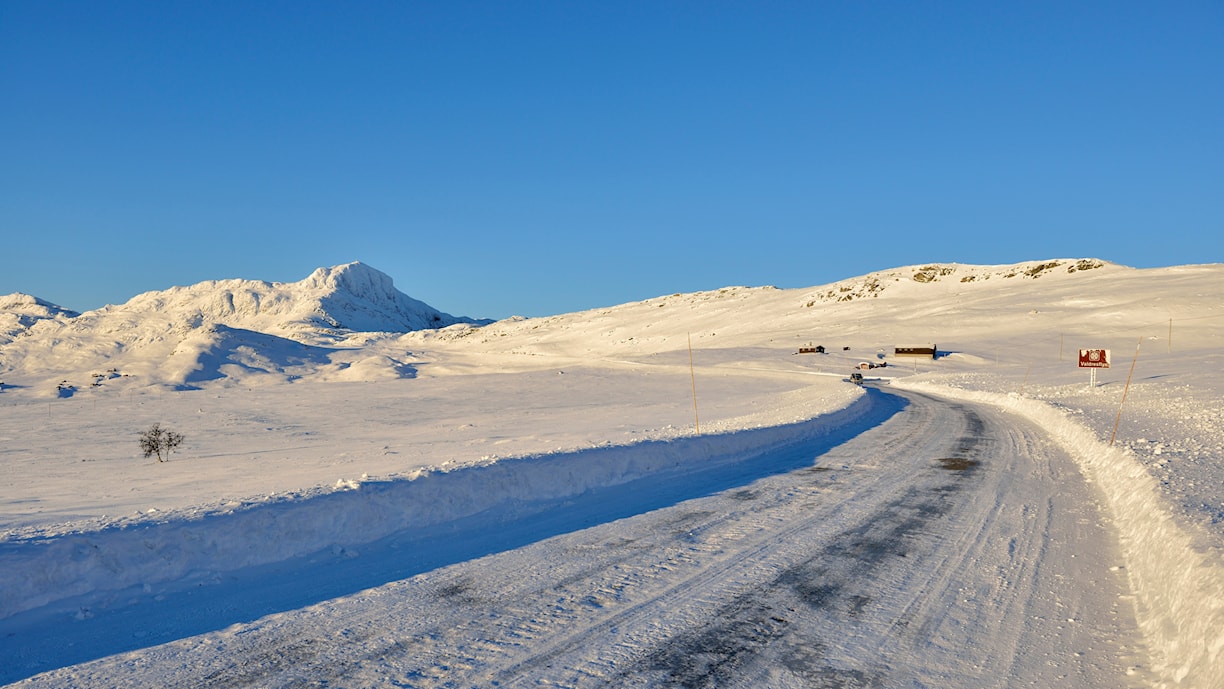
(927, 350)
(809, 349)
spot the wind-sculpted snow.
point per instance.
(357, 297)
(41, 570)
(18, 312)
(220, 352)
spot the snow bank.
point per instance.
(40, 571)
(1179, 591)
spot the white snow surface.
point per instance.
(231, 330)
(20, 311)
(326, 416)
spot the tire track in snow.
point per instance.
(780, 625)
(925, 552)
(734, 645)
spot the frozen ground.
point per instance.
(500, 463)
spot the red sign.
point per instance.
(1094, 358)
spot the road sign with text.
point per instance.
(1094, 358)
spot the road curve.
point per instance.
(950, 546)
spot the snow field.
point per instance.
(40, 570)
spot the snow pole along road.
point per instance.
(950, 546)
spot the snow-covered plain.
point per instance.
(350, 449)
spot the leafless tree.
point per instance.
(159, 441)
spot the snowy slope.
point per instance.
(553, 407)
(18, 312)
(330, 302)
(230, 330)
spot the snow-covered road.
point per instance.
(948, 545)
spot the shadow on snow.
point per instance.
(102, 623)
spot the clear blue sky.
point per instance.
(534, 158)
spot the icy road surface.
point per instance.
(948, 546)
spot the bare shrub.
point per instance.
(159, 441)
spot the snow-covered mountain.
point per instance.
(18, 312)
(350, 323)
(330, 303)
(218, 329)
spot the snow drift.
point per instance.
(39, 570)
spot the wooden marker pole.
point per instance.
(1124, 391)
(693, 376)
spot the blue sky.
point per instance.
(534, 158)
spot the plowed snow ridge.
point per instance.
(1179, 592)
(41, 570)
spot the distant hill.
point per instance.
(349, 323)
(330, 303)
(217, 329)
(20, 311)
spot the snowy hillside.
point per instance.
(396, 446)
(18, 312)
(941, 304)
(330, 303)
(223, 330)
